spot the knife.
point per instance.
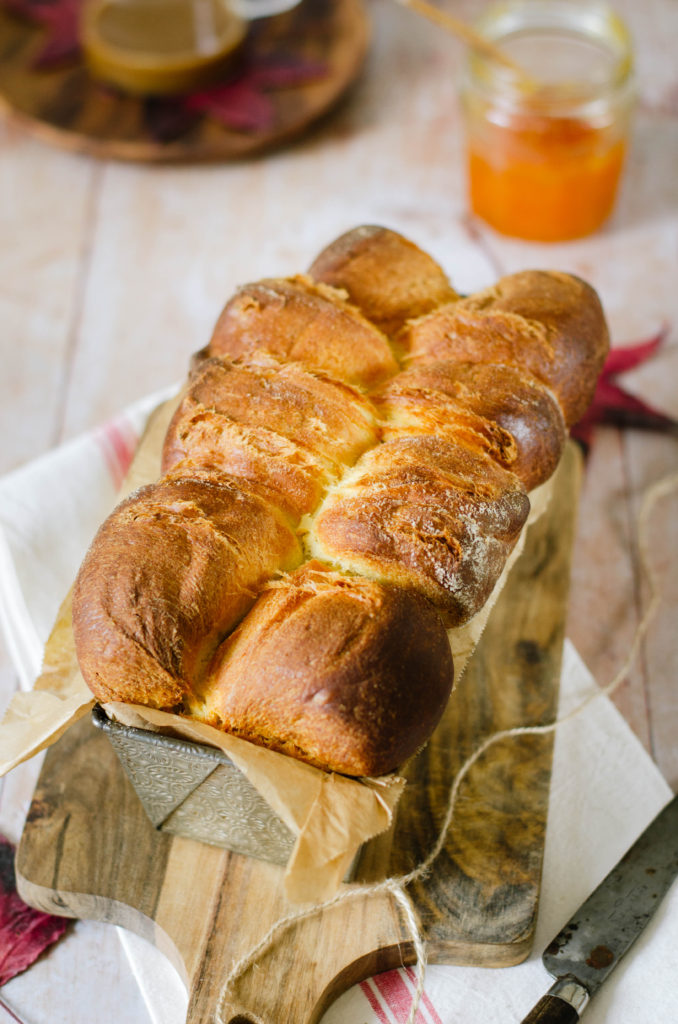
(592, 943)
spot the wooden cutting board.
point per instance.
(89, 851)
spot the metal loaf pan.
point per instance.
(195, 791)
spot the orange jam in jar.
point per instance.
(546, 150)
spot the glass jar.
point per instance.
(166, 47)
(545, 150)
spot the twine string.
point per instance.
(396, 885)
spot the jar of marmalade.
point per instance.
(546, 148)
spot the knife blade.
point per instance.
(589, 947)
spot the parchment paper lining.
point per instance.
(331, 815)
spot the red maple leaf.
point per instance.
(240, 105)
(617, 407)
(25, 933)
(244, 103)
(61, 21)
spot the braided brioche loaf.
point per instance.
(342, 482)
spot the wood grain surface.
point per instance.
(63, 104)
(88, 850)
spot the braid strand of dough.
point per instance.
(343, 480)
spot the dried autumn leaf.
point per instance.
(243, 103)
(61, 21)
(613, 405)
(25, 933)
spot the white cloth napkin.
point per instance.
(605, 788)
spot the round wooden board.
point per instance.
(66, 106)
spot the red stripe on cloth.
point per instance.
(396, 995)
(425, 1001)
(118, 441)
(398, 998)
(374, 1002)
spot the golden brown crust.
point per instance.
(410, 408)
(167, 577)
(548, 323)
(414, 495)
(388, 277)
(426, 514)
(295, 319)
(261, 420)
(341, 672)
(499, 409)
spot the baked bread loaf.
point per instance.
(345, 475)
(334, 669)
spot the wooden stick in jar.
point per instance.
(469, 35)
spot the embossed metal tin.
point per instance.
(193, 790)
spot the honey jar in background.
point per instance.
(167, 47)
(545, 150)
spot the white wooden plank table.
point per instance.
(112, 274)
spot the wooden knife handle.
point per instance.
(552, 1010)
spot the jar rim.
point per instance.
(594, 22)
